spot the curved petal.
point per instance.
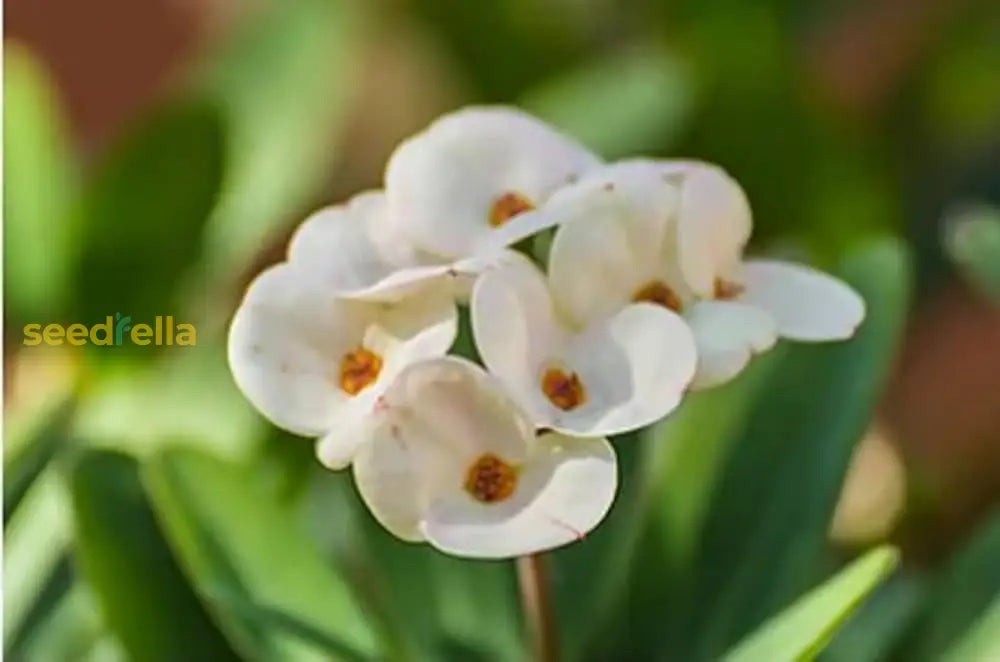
(433, 422)
(806, 304)
(446, 181)
(714, 226)
(515, 330)
(337, 447)
(565, 489)
(727, 334)
(290, 335)
(354, 250)
(634, 368)
(616, 234)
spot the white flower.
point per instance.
(314, 364)
(673, 233)
(475, 178)
(617, 373)
(451, 460)
(359, 252)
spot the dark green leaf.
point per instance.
(767, 527)
(143, 594)
(969, 584)
(234, 540)
(144, 214)
(981, 641)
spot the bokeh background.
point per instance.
(159, 153)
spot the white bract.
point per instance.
(455, 195)
(451, 460)
(594, 377)
(314, 364)
(673, 233)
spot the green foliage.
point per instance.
(144, 596)
(40, 235)
(973, 241)
(143, 214)
(238, 545)
(802, 630)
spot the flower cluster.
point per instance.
(646, 295)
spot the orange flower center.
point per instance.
(507, 206)
(563, 390)
(358, 369)
(725, 289)
(490, 479)
(659, 293)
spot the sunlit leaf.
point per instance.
(981, 641)
(40, 236)
(232, 539)
(127, 562)
(803, 629)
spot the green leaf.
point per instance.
(127, 563)
(32, 455)
(284, 81)
(40, 238)
(981, 641)
(876, 628)
(144, 213)
(968, 585)
(619, 104)
(801, 631)
(767, 527)
(233, 540)
(973, 241)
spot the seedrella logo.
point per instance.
(114, 331)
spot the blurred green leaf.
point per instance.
(234, 540)
(36, 544)
(968, 585)
(71, 629)
(284, 80)
(767, 527)
(32, 455)
(874, 630)
(618, 105)
(127, 563)
(981, 641)
(802, 630)
(144, 213)
(40, 236)
(972, 239)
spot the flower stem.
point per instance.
(536, 604)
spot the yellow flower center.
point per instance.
(659, 293)
(507, 206)
(564, 390)
(358, 369)
(490, 479)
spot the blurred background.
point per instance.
(159, 153)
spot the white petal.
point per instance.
(290, 335)
(565, 489)
(727, 334)
(336, 449)
(355, 250)
(805, 303)
(445, 180)
(635, 369)
(616, 234)
(515, 329)
(714, 226)
(433, 422)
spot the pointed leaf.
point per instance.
(802, 630)
(127, 563)
(233, 539)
